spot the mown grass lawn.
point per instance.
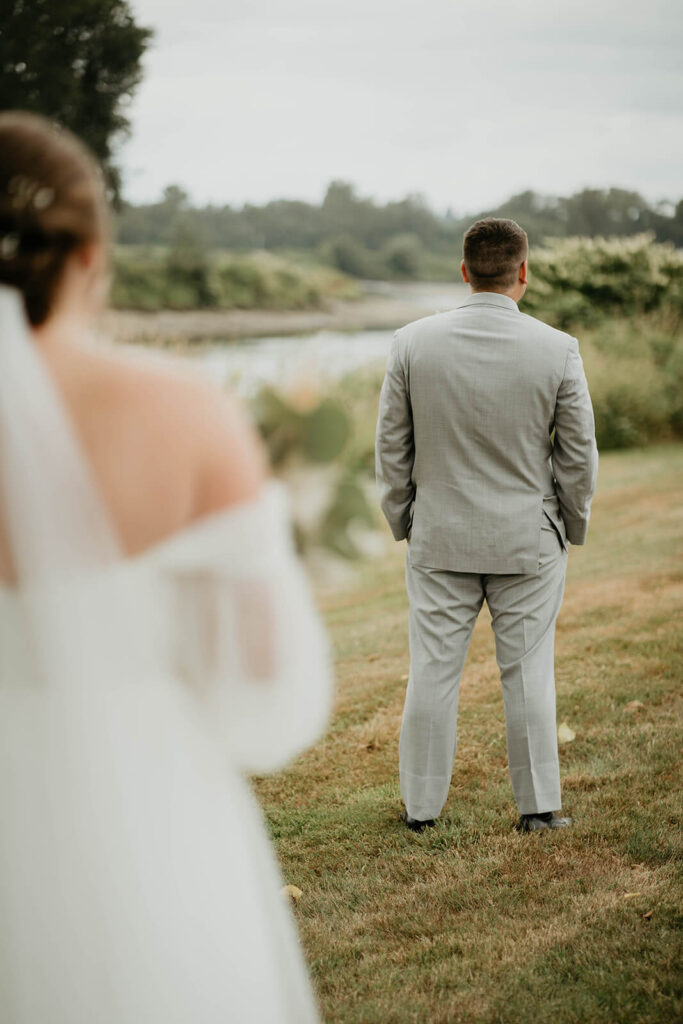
(471, 922)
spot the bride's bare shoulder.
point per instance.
(156, 384)
(175, 407)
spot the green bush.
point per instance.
(350, 256)
(140, 282)
(402, 256)
(186, 276)
(673, 373)
(582, 281)
(241, 284)
(309, 446)
(631, 400)
(623, 299)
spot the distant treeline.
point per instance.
(396, 239)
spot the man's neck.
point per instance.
(515, 294)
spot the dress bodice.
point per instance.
(136, 882)
(221, 608)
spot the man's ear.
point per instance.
(524, 272)
(463, 270)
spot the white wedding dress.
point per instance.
(137, 882)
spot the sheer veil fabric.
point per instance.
(137, 882)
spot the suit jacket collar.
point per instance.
(489, 299)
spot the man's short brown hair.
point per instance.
(493, 250)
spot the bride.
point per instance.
(157, 638)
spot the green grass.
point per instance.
(471, 922)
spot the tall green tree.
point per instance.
(77, 61)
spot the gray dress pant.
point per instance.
(444, 606)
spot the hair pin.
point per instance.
(29, 192)
(9, 244)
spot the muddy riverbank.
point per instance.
(383, 306)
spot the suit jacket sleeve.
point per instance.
(575, 454)
(394, 447)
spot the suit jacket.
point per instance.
(485, 431)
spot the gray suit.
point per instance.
(469, 471)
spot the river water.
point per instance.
(287, 362)
(290, 361)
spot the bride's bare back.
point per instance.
(165, 446)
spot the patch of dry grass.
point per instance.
(470, 922)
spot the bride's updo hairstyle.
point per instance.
(52, 202)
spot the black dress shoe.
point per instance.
(538, 822)
(415, 824)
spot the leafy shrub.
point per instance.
(308, 446)
(631, 400)
(140, 282)
(188, 273)
(673, 373)
(623, 298)
(350, 256)
(186, 276)
(582, 281)
(402, 256)
(241, 284)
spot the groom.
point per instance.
(486, 462)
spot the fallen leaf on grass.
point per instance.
(631, 895)
(633, 706)
(292, 890)
(565, 734)
(646, 917)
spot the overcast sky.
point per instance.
(464, 101)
